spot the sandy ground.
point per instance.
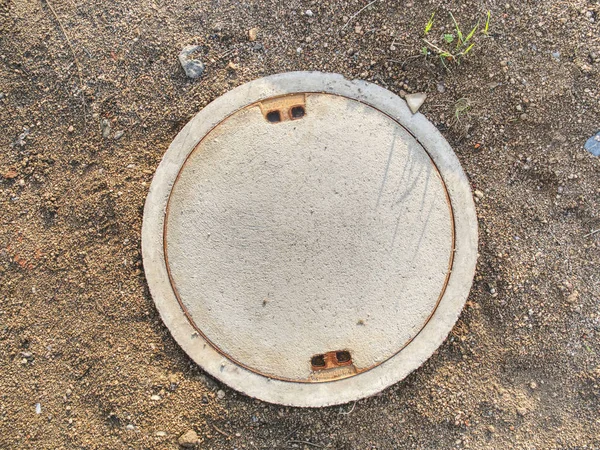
(80, 338)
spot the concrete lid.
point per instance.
(309, 241)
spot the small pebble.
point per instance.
(193, 67)
(130, 427)
(155, 398)
(71, 129)
(220, 394)
(592, 145)
(105, 128)
(118, 135)
(189, 439)
(253, 33)
(308, 13)
(415, 101)
(479, 194)
(160, 434)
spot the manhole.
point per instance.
(307, 240)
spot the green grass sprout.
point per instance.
(429, 24)
(464, 43)
(487, 23)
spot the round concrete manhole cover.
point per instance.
(309, 241)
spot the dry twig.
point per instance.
(294, 441)
(79, 69)
(221, 431)
(348, 412)
(356, 14)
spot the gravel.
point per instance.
(72, 230)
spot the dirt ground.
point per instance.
(86, 362)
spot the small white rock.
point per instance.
(105, 128)
(415, 101)
(155, 398)
(479, 194)
(220, 394)
(308, 13)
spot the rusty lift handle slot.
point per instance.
(297, 112)
(318, 361)
(331, 360)
(283, 108)
(274, 116)
(343, 357)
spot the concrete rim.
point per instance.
(337, 391)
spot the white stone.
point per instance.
(415, 101)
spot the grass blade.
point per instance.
(458, 32)
(429, 24)
(470, 35)
(468, 49)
